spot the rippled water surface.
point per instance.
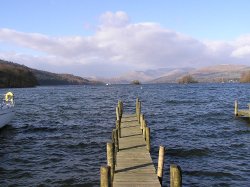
(59, 134)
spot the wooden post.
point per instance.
(113, 136)
(120, 106)
(136, 106)
(105, 177)
(144, 129)
(142, 121)
(117, 113)
(236, 108)
(137, 99)
(148, 138)
(141, 126)
(139, 111)
(116, 140)
(118, 126)
(175, 176)
(110, 158)
(120, 109)
(160, 163)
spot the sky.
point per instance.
(93, 38)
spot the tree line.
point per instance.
(12, 76)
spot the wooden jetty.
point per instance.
(241, 113)
(129, 162)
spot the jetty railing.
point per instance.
(241, 113)
(142, 171)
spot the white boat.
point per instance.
(7, 109)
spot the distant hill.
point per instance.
(245, 78)
(48, 78)
(218, 73)
(13, 75)
(150, 76)
(171, 76)
(142, 76)
(16, 75)
(210, 74)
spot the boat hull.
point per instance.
(6, 115)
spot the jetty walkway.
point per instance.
(129, 162)
(134, 163)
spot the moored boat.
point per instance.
(7, 109)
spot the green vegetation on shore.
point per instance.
(136, 82)
(187, 79)
(16, 76)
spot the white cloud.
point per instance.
(119, 45)
(242, 47)
(117, 19)
(242, 52)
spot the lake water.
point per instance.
(59, 134)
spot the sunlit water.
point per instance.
(59, 134)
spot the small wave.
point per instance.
(81, 145)
(188, 152)
(56, 159)
(65, 182)
(7, 131)
(237, 145)
(41, 129)
(241, 132)
(2, 171)
(25, 175)
(216, 174)
(18, 173)
(179, 101)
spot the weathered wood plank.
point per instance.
(244, 113)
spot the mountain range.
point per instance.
(16, 75)
(217, 73)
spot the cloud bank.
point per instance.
(118, 46)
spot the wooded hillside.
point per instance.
(13, 75)
(16, 76)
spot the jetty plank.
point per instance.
(244, 113)
(134, 165)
